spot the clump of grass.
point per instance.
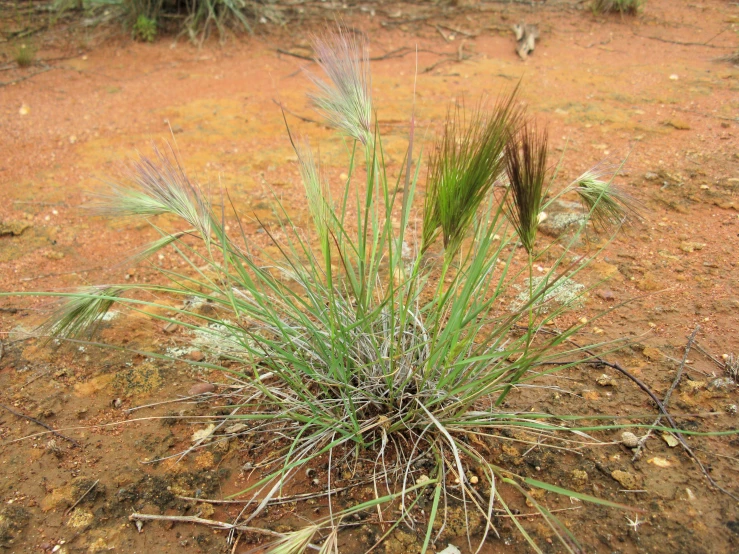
(631, 7)
(368, 347)
(145, 29)
(25, 55)
(731, 58)
(197, 18)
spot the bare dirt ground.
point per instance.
(609, 87)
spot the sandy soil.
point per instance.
(609, 87)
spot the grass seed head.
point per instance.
(161, 186)
(464, 167)
(526, 167)
(316, 189)
(345, 99)
(608, 206)
(81, 314)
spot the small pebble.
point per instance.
(629, 439)
(201, 388)
(606, 294)
(606, 380)
(196, 356)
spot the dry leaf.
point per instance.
(671, 441)
(198, 436)
(659, 462)
(235, 428)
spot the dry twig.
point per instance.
(681, 43)
(73, 506)
(210, 523)
(300, 117)
(660, 405)
(665, 402)
(41, 423)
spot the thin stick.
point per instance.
(397, 53)
(73, 506)
(302, 118)
(442, 33)
(45, 275)
(455, 30)
(210, 523)
(703, 351)
(184, 398)
(274, 501)
(502, 513)
(294, 55)
(659, 404)
(704, 44)
(35, 378)
(662, 408)
(16, 81)
(437, 64)
(41, 423)
(666, 401)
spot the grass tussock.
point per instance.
(731, 58)
(361, 340)
(25, 55)
(630, 7)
